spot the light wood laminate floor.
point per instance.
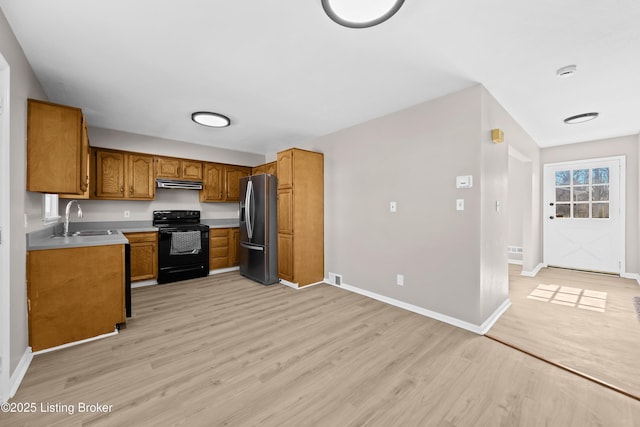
(227, 351)
(584, 321)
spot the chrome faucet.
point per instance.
(66, 215)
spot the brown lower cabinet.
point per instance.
(74, 294)
(144, 255)
(224, 248)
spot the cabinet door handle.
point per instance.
(122, 189)
(131, 190)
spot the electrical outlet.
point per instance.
(127, 214)
(400, 280)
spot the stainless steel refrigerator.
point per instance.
(259, 228)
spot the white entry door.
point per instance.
(584, 215)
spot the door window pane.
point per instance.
(600, 176)
(600, 210)
(581, 210)
(600, 193)
(581, 176)
(563, 177)
(563, 194)
(581, 194)
(563, 210)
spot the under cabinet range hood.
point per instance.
(178, 184)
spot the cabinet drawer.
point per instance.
(141, 237)
(219, 242)
(219, 232)
(218, 252)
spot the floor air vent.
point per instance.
(335, 279)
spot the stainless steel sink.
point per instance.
(93, 233)
(88, 233)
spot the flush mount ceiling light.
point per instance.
(567, 71)
(580, 118)
(207, 118)
(360, 13)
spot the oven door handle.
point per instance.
(247, 204)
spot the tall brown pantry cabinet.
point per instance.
(301, 216)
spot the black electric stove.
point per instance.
(183, 245)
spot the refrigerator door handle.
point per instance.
(247, 204)
(252, 247)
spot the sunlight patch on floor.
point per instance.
(570, 297)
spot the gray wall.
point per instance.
(107, 210)
(627, 146)
(525, 148)
(23, 85)
(494, 274)
(518, 178)
(413, 157)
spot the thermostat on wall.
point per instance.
(465, 181)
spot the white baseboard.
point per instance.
(488, 324)
(20, 372)
(223, 270)
(632, 276)
(478, 329)
(143, 283)
(73, 344)
(534, 272)
(515, 261)
(297, 285)
(153, 282)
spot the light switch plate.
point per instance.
(464, 181)
(392, 206)
(459, 204)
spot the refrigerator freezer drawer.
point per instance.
(259, 263)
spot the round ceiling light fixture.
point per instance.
(580, 118)
(207, 118)
(567, 71)
(360, 13)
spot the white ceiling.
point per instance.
(285, 73)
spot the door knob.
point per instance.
(551, 204)
(551, 217)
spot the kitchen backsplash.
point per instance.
(114, 210)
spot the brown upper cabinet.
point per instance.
(213, 183)
(139, 175)
(233, 174)
(122, 175)
(270, 168)
(285, 168)
(57, 149)
(222, 182)
(172, 168)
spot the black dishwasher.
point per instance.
(127, 279)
